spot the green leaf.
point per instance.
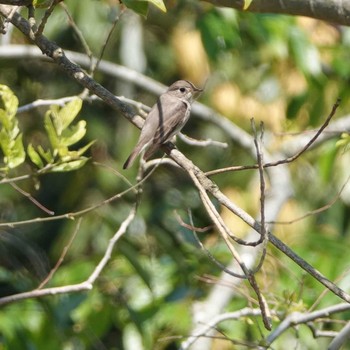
(13, 149)
(16, 154)
(69, 112)
(42, 3)
(47, 155)
(246, 4)
(67, 155)
(70, 166)
(55, 120)
(51, 130)
(9, 102)
(159, 4)
(4, 142)
(5, 120)
(34, 156)
(344, 142)
(82, 150)
(140, 7)
(218, 32)
(74, 134)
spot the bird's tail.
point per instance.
(137, 150)
(128, 163)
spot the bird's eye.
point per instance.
(182, 90)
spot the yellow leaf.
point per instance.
(159, 4)
(246, 4)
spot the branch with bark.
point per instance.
(337, 11)
(278, 175)
(202, 182)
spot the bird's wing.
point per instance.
(165, 119)
(171, 120)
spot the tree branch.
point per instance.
(296, 318)
(16, 2)
(79, 287)
(335, 11)
(76, 73)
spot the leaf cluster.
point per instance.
(10, 136)
(61, 133)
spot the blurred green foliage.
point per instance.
(285, 71)
(10, 136)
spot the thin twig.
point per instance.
(201, 143)
(56, 53)
(191, 226)
(263, 233)
(108, 253)
(78, 33)
(109, 35)
(296, 318)
(237, 315)
(79, 287)
(63, 255)
(32, 199)
(78, 213)
(40, 103)
(210, 256)
(316, 211)
(286, 160)
(225, 235)
(47, 14)
(213, 189)
(217, 220)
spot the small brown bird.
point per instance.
(166, 118)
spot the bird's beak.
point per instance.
(197, 91)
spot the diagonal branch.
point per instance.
(56, 53)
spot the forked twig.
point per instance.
(316, 211)
(88, 283)
(286, 160)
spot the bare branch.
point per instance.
(76, 73)
(225, 233)
(87, 284)
(46, 16)
(316, 211)
(201, 143)
(56, 53)
(40, 103)
(79, 213)
(337, 11)
(108, 37)
(200, 179)
(32, 199)
(210, 256)
(78, 33)
(296, 318)
(61, 258)
(246, 312)
(341, 338)
(286, 160)
(16, 2)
